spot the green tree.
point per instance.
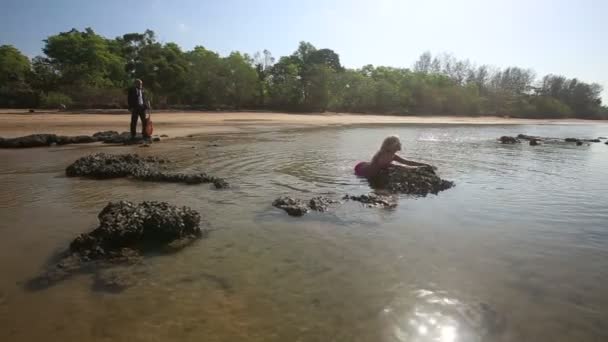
(15, 74)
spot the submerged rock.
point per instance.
(579, 143)
(508, 140)
(103, 166)
(603, 138)
(593, 140)
(125, 227)
(534, 142)
(293, 207)
(415, 181)
(373, 200)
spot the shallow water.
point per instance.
(517, 251)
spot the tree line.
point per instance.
(81, 69)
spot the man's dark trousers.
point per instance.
(140, 112)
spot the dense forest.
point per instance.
(81, 69)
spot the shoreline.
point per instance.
(178, 124)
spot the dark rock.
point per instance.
(31, 111)
(79, 139)
(415, 181)
(572, 140)
(579, 143)
(102, 166)
(101, 136)
(534, 142)
(155, 175)
(124, 226)
(164, 136)
(320, 203)
(156, 139)
(603, 138)
(527, 137)
(34, 140)
(508, 140)
(592, 140)
(293, 207)
(373, 200)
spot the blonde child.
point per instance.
(383, 158)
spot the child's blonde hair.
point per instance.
(390, 143)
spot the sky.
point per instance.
(564, 37)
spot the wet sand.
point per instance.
(19, 122)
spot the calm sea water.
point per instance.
(517, 251)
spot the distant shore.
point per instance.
(14, 122)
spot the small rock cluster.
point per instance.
(297, 207)
(103, 166)
(535, 140)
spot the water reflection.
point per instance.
(429, 315)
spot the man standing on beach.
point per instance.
(137, 106)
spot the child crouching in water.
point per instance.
(383, 158)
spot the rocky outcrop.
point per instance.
(136, 227)
(373, 200)
(508, 140)
(414, 181)
(104, 166)
(115, 249)
(297, 207)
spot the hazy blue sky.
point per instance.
(549, 36)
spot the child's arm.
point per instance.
(409, 162)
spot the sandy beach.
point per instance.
(15, 123)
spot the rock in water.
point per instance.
(293, 207)
(534, 142)
(579, 143)
(508, 140)
(124, 225)
(34, 140)
(103, 166)
(297, 207)
(414, 181)
(527, 137)
(320, 204)
(373, 200)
